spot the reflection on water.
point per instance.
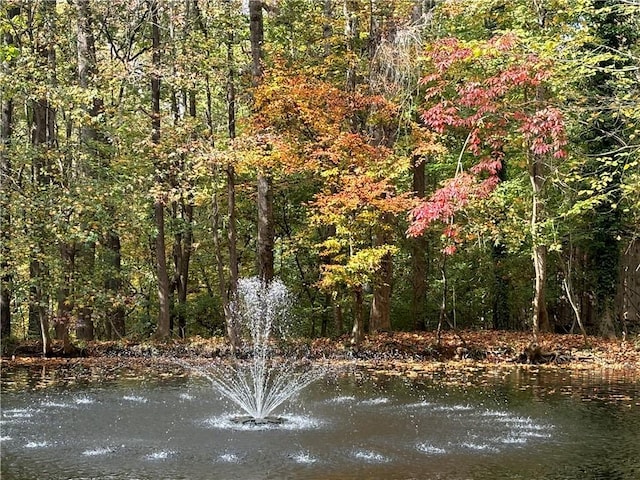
(502, 424)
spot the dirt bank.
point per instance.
(396, 352)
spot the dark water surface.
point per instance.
(511, 424)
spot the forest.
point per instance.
(400, 165)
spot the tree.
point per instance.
(265, 187)
(43, 138)
(395, 73)
(89, 139)
(228, 293)
(490, 107)
(164, 314)
(6, 176)
(606, 138)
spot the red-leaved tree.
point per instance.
(492, 94)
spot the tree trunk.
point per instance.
(43, 138)
(418, 245)
(67, 291)
(380, 318)
(85, 328)
(351, 30)
(500, 312)
(38, 317)
(256, 30)
(501, 315)
(327, 29)
(66, 301)
(265, 187)
(380, 315)
(337, 316)
(87, 68)
(164, 302)
(540, 318)
(358, 317)
(443, 300)
(567, 283)
(115, 316)
(182, 212)
(88, 138)
(182, 246)
(628, 296)
(380, 312)
(231, 174)
(93, 143)
(230, 293)
(227, 299)
(5, 220)
(164, 317)
(265, 228)
(232, 231)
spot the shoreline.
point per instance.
(409, 354)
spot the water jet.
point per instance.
(261, 383)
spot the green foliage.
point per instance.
(340, 158)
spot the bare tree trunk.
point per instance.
(38, 321)
(232, 231)
(66, 315)
(229, 296)
(265, 187)
(265, 228)
(357, 331)
(540, 318)
(256, 31)
(164, 317)
(37, 305)
(351, 32)
(182, 213)
(566, 283)
(5, 220)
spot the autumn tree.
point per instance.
(265, 187)
(6, 176)
(490, 107)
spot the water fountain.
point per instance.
(259, 385)
(353, 427)
(360, 426)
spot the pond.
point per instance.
(486, 424)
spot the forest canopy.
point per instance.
(398, 164)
